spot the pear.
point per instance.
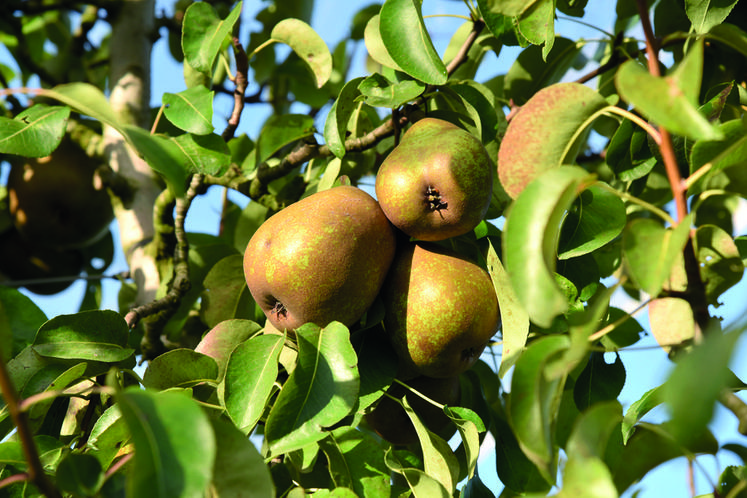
(55, 201)
(437, 183)
(391, 422)
(440, 310)
(321, 259)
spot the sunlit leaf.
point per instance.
(378, 91)
(85, 99)
(531, 232)
(663, 102)
(174, 444)
(164, 156)
(35, 132)
(537, 25)
(191, 109)
(375, 44)
(204, 34)
(250, 374)
(180, 368)
(514, 319)
(408, 43)
(469, 426)
(672, 322)
(335, 127)
(650, 400)
(208, 154)
(90, 335)
(534, 401)
(308, 45)
(280, 130)
(322, 389)
(421, 484)
(587, 478)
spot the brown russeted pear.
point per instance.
(391, 422)
(437, 183)
(441, 310)
(321, 259)
(55, 202)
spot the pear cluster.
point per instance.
(56, 210)
(329, 256)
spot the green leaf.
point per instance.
(650, 400)
(534, 400)
(721, 154)
(375, 44)
(80, 474)
(690, 395)
(469, 425)
(730, 35)
(514, 319)
(238, 465)
(204, 34)
(672, 322)
(705, 14)
(721, 266)
(280, 130)
(598, 216)
(174, 444)
(226, 296)
(408, 43)
(20, 318)
(599, 381)
(652, 445)
(479, 102)
(650, 251)
(250, 375)
(320, 392)
(531, 232)
(85, 99)
(180, 368)
(688, 74)
(378, 91)
(474, 488)
(593, 429)
(377, 364)
(546, 133)
(164, 156)
(356, 461)
(221, 340)
(628, 154)
(191, 109)
(511, 8)
(35, 132)
(308, 45)
(587, 478)
(439, 461)
(108, 435)
(421, 484)
(206, 154)
(43, 383)
(90, 335)
(533, 70)
(336, 125)
(663, 102)
(537, 25)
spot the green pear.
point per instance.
(55, 200)
(321, 259)
(437, 183)
(441, 310)
(391, 422)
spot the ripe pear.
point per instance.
(437, 183)
(54, 201)
(441, 310)
(321, 259)
(391, 422)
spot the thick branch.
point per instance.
(241, 82)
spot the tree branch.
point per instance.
(241, 81)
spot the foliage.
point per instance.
(625, 180)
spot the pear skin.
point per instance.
(441, 310)
(437, 183)
(321, 259)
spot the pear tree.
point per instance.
(441, 246)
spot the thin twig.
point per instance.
(241, 81)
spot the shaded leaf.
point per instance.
(336, 125)
(180, 368)
(721, 266)
(377, 364)
(226, 295)
(356, 461)
(204, 34)
(280, 130)
(80, 474)
(421, 484)
(407, 41)
(378, 91)
(221, 340)
(20, 318)
(599, 381)
(238, 465)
